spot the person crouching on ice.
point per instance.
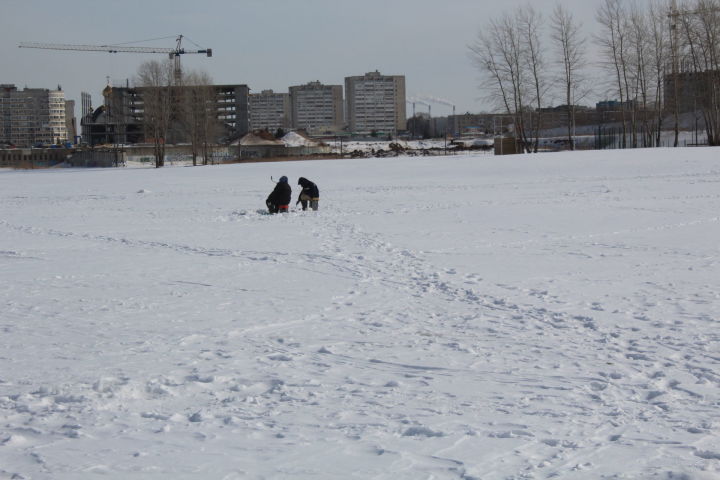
(279, 199)
(309, 194)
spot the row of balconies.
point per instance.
(375, 105)
(374, 122)
(315, 121)
(268, 115)
(374, 117)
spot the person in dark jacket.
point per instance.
(309, 194)
(279, 198)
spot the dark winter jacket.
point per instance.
(281, 195)
(308, 188)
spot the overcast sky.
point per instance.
(266, 44)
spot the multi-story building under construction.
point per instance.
(121, 119)
(31, 117)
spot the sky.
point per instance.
(266, 44)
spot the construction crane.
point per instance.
(173, 53)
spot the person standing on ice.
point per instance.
(309, 194)
(279, 199)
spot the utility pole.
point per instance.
(414, 122)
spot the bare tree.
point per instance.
(675, 60)
(509, 55)
(199, 114)
(156, 80)
(189, 116)
(496, 54)
(639, 68)
(659, 37)
(612, 17)
(211, 125)
(530, 22)
(570, 44)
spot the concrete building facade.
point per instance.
(32, 116)
(470, 124)
(376, 103)
(269, 110)
(317, 108)
(70, 121)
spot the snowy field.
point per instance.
(528, 317)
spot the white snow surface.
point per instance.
(294, 139)
(477, 317)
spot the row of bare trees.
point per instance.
(636, 52)
(175, 107)
(519, 71)
(696, 27)
(513, 62)
(528, 61)
(662, 56)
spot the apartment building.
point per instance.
(317, 108)
(32, 116)
(375, 103)
(121, 118)
(269, 110)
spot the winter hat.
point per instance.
(283, 179)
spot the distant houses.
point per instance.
(261, 144)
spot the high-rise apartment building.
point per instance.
(375, 103)
(317, 108)
(269, 110)
(32, 116)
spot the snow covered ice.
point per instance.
(467, 317)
